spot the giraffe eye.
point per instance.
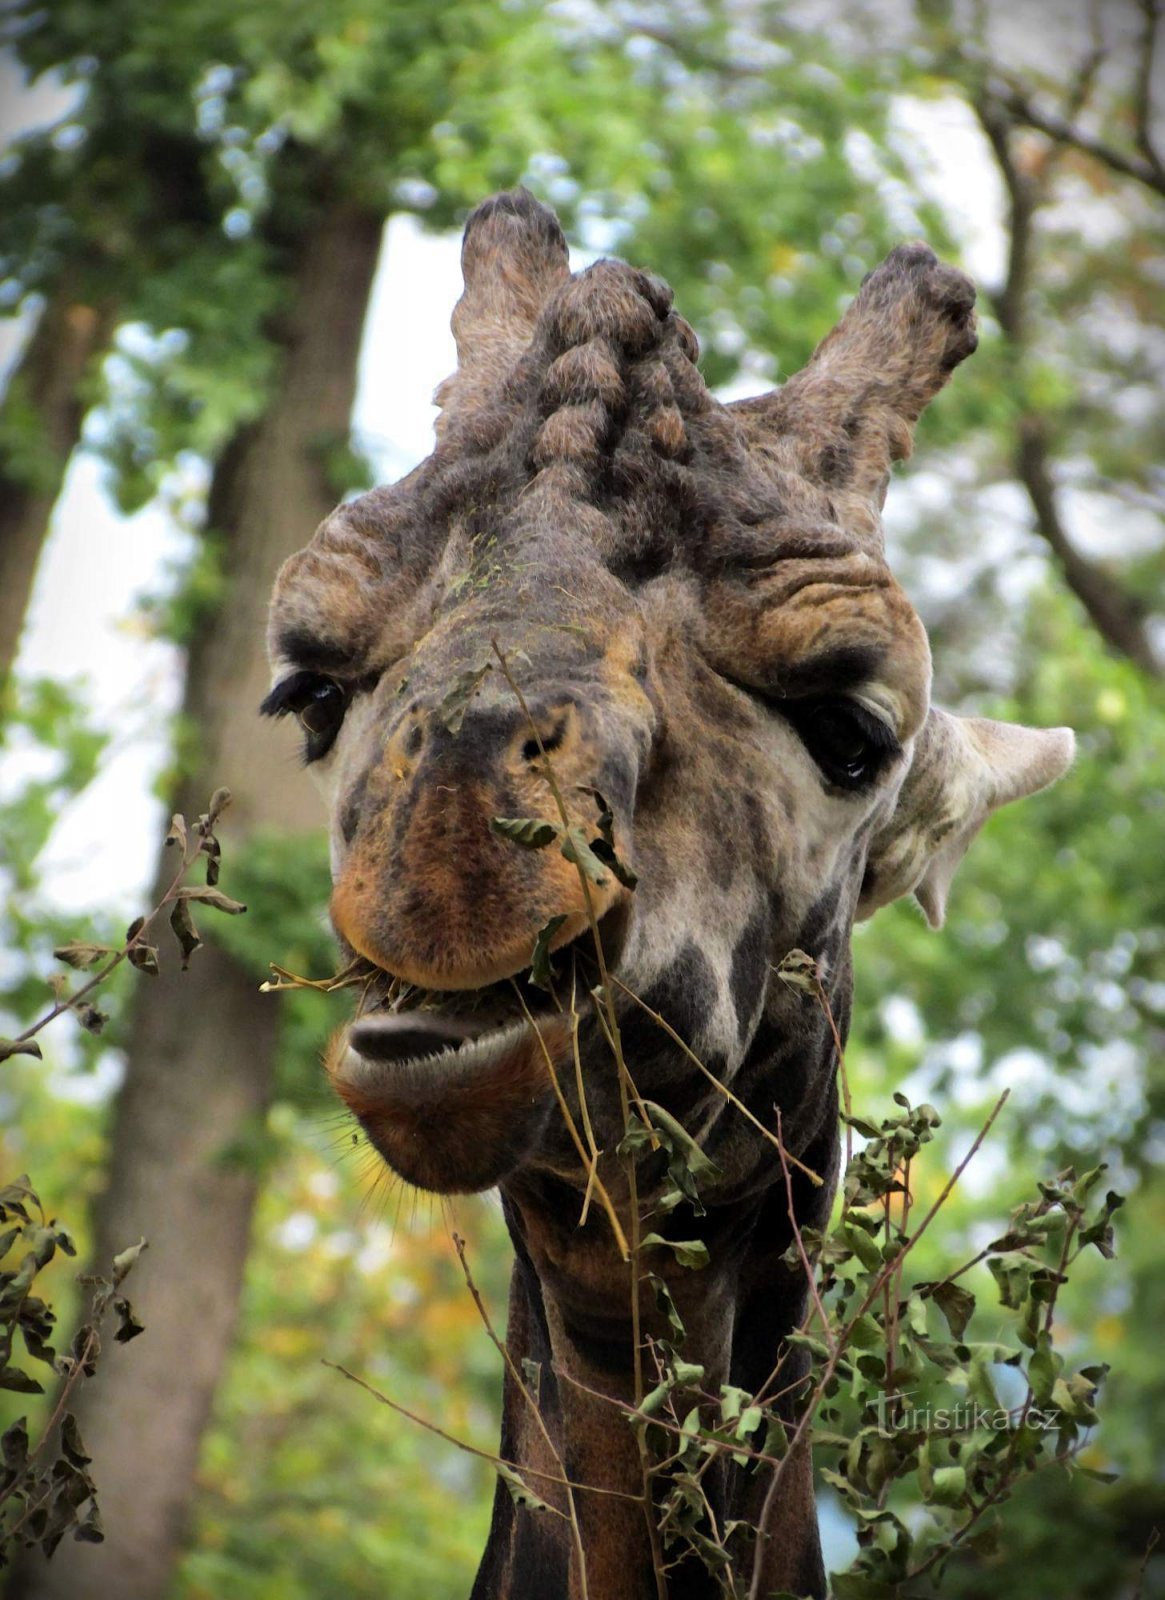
(318, 705)
(848, 743)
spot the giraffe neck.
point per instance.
(573, 1350)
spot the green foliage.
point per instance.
(48, 714)
(304, 1488)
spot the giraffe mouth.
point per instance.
(454, 1087)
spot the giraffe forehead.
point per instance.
(600, 464)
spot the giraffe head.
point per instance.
(665, 628)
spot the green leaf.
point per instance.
(858, 1586)
(956, 1304)
(948, 1486)
(1042, 1369)
(578, 852)
(691, 1253)
(531, 832)
(865, 1333)
(540, 972)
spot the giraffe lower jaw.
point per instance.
(450, 1110)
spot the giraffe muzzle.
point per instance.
(453, 1105)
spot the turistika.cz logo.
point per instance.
(895, 1416)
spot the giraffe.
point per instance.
(680, 612)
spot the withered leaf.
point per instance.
(799, 971)
(519, 1493)
(212, 850)
(219, 801)
(14, 1446)
(82, 955)
(90, 1531)
(72, 1447)
(209, 896)
(177, 833)
(145, 958)
(92, 1020)
(456, 700)
(125, 1260)
(129, 1324)
(19, 1047)
(184, 930)
(19, 1382)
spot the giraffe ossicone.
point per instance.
(683, 609)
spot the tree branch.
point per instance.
(1017, 101)
(1118, 616)
(1151, 11)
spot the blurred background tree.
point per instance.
(206, 211)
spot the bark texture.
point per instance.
(202, 1043)
(45, 403)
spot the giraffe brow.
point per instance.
(833, 671)
(311, 654)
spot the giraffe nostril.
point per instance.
(414, 740)
(550, 743)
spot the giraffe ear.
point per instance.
(963, 770)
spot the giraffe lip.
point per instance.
(407, 1036)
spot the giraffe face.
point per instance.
(612, 606)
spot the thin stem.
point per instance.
(722, 1088)
(472, 1449)
(810, 1275)
(70, 1002)
(512, 1368)
(589, 1165)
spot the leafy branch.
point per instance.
(48, 1490)
(136, 948)
(44, 1494)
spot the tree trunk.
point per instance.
(44, 409)
(202, 1043)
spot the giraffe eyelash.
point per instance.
(318, 702)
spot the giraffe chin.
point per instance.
(450, 1110)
